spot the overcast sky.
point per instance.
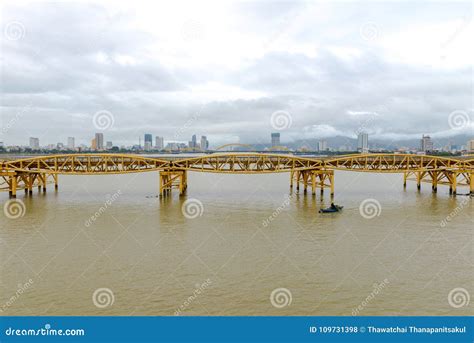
(235, 71)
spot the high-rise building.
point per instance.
(470, 146)
(148, 141)
(275, 139)
(159, 143)
(426, 144)
(94, 144)
(70, 143)
(108, 145)
(99, 141)
(322, 145)
(34, 143)
(363, 142)
(193, 142)
(204, 143)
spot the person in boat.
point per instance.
(334, 207)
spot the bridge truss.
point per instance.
(313, 173)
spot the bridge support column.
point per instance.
(55, 178)
(405, 176)
(471, 183)
(13, 183)
(170, 179)
(419, 177)
(42, 182)
(453, 178)
(434, 181)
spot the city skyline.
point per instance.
(426, 145)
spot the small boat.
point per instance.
(333, 208)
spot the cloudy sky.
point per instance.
(235, 71)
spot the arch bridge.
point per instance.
(313, 172)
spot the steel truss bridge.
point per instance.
(308, 172)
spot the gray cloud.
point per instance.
(306, 59)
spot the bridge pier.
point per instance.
(170, 179)
(434, 181)
(12, 185)
(55, 178)
(316, 178)
(471, 183)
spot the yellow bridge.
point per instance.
(311, 172)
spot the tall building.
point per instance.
(204, 143)
(470, 146)
(148, 141)
(70, 143)
(193, 142)
(108, 145)
(34, 143)
(159, 143)
(99, 141)
(363, 142)
(426, 144)
(275, 139)
(94, 144)
(322, 145)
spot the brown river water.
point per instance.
(240, 245)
